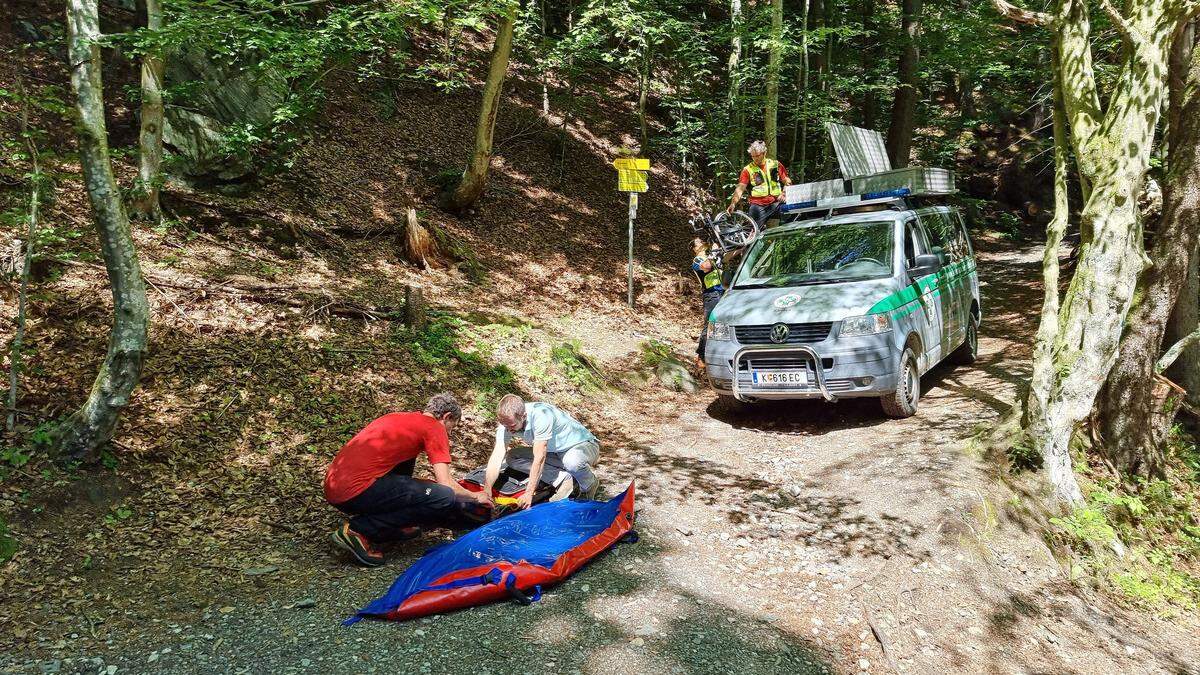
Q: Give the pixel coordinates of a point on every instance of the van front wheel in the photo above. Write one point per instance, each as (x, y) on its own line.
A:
(903, 401)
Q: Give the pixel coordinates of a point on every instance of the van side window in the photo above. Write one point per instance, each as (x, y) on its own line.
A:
(942, 235)
(968, 250)
(914, 243)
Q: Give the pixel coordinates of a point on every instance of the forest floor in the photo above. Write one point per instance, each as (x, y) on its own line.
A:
(792, 537)
(797, 537)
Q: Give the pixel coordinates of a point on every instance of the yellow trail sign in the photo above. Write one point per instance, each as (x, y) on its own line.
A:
(631, 173)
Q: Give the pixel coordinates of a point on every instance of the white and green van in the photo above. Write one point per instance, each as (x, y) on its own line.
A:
(859, 301)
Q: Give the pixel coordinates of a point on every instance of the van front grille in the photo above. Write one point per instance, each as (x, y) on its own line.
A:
(798, 333)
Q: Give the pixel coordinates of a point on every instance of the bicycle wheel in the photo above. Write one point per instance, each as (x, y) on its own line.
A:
(735, 230)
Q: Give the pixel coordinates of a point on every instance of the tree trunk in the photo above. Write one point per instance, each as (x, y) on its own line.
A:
(474, 179)
(1114, 159)
(644, 93)
(1133, 420)
(1185, 317)
(16, 357)
(800, 127)
(90, 427)
(904, 109)
(738, 137)
(150, 150)
(771, 109)
(866, 56)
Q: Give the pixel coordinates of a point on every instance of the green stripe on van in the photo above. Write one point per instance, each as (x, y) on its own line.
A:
(936, 283)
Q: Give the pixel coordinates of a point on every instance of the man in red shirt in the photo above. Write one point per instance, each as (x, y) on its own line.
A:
(371, 479)
(766, 179)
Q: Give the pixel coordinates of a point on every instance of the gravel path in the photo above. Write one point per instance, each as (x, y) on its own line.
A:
(788, 538)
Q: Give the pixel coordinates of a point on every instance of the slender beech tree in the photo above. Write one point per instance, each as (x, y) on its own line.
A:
(737, 139)
(866, 57)
(1133, 422)
(92, 426)
(1112, 147)
(904, 108)
(150, 150)
(16, 357)
(775, 55)
(474, 178)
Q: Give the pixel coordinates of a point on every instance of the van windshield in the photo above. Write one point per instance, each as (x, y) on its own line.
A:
(819, 254)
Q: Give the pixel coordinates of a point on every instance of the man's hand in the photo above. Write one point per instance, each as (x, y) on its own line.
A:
(729, 209)
(484, 498)
(525, 500)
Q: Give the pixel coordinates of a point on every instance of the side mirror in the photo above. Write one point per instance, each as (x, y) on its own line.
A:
(924, 265)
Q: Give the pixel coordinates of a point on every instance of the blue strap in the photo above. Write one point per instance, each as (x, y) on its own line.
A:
(510, 583)
(493, 576)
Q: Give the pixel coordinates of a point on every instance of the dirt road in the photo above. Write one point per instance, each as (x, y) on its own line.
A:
(797, 537)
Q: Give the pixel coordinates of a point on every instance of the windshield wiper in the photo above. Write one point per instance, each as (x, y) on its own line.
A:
(739, 287)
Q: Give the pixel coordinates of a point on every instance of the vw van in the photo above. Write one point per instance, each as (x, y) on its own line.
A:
(856, 302)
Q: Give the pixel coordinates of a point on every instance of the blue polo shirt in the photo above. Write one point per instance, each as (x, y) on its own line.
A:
(546, 422)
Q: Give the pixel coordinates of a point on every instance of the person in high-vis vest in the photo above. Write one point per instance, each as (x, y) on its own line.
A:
(766, 179)
(707, 267)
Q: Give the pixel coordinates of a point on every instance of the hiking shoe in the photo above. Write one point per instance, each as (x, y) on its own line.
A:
(359, 546)
(588, 494)
(565, 490)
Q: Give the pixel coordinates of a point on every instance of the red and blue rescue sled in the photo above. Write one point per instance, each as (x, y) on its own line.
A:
(508, 558)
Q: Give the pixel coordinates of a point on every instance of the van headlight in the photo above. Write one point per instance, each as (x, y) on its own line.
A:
(871, 324)
(720, 331)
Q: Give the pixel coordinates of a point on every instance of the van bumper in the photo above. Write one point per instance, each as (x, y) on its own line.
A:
(850, 368)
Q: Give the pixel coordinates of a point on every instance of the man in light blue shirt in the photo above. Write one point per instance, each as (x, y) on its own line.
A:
(550, 438)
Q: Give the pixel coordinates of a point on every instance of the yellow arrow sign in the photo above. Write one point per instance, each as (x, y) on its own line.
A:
(631, 173)
(631, 164)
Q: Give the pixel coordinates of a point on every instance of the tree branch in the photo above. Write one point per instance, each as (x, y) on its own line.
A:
(1020, 14)
(1132, 37)
(1176, 349)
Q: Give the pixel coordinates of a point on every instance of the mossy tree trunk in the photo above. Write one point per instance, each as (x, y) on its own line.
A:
(92, 426)
(145, 204)
(1112, 148)
(1132, 419)
(474, 179)
(737, 139)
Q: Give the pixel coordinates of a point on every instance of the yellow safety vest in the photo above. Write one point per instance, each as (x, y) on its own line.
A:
(764, 181)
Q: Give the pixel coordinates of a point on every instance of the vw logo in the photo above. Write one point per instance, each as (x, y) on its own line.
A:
(779, 333)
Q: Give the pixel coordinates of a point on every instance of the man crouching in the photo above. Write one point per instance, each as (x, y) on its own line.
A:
(371, 479)
(551, 437)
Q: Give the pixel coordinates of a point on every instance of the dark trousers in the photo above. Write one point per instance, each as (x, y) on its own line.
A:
(395, 501)
(710, 301)
(761, 214)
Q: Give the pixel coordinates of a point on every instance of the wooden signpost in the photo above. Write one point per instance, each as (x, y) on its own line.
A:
(631, 178)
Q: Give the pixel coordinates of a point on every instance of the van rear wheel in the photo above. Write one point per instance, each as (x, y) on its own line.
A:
(903, 402)
(967, 352)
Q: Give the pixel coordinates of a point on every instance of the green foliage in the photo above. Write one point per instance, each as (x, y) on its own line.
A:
(8, 545)
(578, 368)
(654, 352)
(437, 348)
(15, 457)
(1159, 521)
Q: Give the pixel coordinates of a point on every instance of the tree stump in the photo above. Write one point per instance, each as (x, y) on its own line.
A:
(416, 314)
(420, 247)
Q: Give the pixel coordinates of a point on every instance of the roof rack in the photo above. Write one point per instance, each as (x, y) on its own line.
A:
(867, 176)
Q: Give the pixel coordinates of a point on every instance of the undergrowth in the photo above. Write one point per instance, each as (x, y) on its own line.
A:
(437, 348)
(577, 367)
(1158, 520)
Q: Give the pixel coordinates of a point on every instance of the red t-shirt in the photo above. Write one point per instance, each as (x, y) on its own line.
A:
(378, 448)
(744, 179)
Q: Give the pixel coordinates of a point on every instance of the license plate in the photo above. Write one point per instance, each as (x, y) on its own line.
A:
(779, 378)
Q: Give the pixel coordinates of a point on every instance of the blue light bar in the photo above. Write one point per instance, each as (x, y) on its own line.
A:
(898, 192)
(799, 205)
